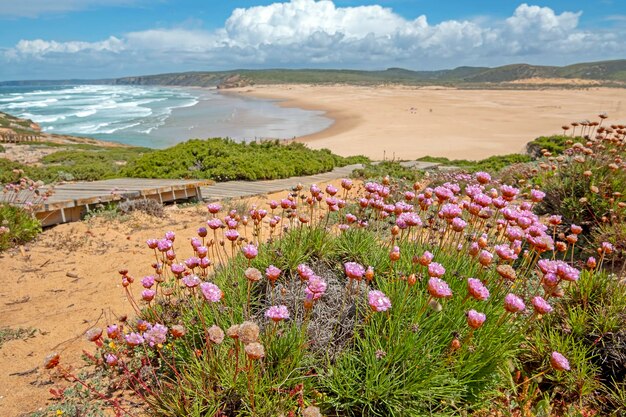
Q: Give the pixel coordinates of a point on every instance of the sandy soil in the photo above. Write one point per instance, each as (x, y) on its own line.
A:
(66, 282)
(410, 122)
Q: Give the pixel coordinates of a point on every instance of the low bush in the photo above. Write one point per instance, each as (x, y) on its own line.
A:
(555, 144)
(492, 164)
(225, 160)
(387, 168)
(17, 226)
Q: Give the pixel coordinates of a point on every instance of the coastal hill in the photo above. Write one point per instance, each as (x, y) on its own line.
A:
(603, 72)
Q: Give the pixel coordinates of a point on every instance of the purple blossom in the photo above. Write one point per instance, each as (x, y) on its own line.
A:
(110, 359)
(305, 272)
(436, 270)
(231, 234)
(354, 270)
(477, 290)
(148, 295)
(134, 339)
(475, 319)
(541, 306)
(513, 304)
(505, 252)
(177, 269)
(171, 236)
(156, 335)
(272, 273)
(192, 262)
(537, 196)
(250, 251)
(214, 208)
(483, 177)
(316, 287)
(191, 281)
(438, 288)
(559, 362)
(211, 292)
(277, 313)
(147, 281)
(378, 301)
(214, 224)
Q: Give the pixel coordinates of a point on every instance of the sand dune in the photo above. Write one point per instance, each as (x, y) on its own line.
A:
(412, 122)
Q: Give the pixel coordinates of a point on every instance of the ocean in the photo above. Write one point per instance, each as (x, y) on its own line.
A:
(156, 117)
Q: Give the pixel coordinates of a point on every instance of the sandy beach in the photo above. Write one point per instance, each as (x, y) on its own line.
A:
(408, 122)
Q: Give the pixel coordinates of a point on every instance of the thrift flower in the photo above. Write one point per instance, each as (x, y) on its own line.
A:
(378, 301)
(255, 351)
(559, 362)
(354, 270)
(277, 313)
(248, 332)
(541, 306)
(250, 251)
(513, 304)
(156, 335)
(191, 281)
(438, 288)
(436, 270)
(272, 273)
(134, 339)
(211, 292)
(305, 272)
(477, 290)
(216, 334)
(475, 319)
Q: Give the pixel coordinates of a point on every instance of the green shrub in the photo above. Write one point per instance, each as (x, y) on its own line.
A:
(555, 144)
(387, 168)
(17, 226)
(225, 160)
(2, 149)
(492, 164)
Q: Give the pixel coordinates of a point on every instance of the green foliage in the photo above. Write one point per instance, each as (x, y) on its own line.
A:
(7, 334)
(225, 160)
(2, 149)
(555, 144)
(492, 164)
(22, 226)
(387, 168)
(7, 168)
(592, 311)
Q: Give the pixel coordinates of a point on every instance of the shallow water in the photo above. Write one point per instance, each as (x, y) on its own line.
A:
(156, 116)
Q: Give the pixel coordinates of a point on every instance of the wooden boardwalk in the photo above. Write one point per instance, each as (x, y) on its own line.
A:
(71, 201)
(238, 189)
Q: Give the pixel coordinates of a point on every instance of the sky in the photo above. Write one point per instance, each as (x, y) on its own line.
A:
(90, 39)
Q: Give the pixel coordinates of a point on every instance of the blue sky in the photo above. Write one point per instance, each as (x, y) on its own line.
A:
(54, 39)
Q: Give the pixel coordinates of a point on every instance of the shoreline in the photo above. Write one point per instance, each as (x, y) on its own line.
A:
(411, 122)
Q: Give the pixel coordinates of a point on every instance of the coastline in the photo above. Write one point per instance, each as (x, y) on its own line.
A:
(411, 122)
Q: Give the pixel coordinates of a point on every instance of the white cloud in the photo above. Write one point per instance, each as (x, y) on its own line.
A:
(34, 8)
(318, 33)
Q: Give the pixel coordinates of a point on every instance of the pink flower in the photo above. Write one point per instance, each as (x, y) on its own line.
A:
(316, 287)
(250, 251)
(554, 220)
(202, 232)
(214, 208)
(576, 229)
(606, 248)
(164, 245)
(177, 269)
(354, 270)
(346, 184)
(277, 313)
(559, 362)
(152, 243)
(537, 196)
(458, 224)
(541, 306)
(110, 359)
(330, 189)
(505, 252)
(148, 295)
(436, 270)
(211, 292)
(214, 224)
(438, 288)
(477, 290)
(475, 319)
(155, 335)
(147, 281)
(591, 262)
(171, 236)
(513, 304)
(485, 258)
(426, 258)
(192, 262)
(305, 272)
(231, 234)
(134, 339)
(113, 331)
(378, 301)
(273, 204)
(483, 177)
(191, 281)
(272, 273)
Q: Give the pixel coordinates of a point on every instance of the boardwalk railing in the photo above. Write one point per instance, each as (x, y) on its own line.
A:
(9, 138)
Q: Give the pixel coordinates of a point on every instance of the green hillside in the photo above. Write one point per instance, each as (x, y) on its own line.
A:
(608, 71)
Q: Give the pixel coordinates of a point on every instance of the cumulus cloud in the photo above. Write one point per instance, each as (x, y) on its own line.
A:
(318, 33)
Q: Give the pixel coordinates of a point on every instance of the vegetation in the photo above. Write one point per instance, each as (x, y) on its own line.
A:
(606, 71)
(387, 168)
(491, 164)
(17, 226)
(225, 160)
(16, 125)
(8, 333)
